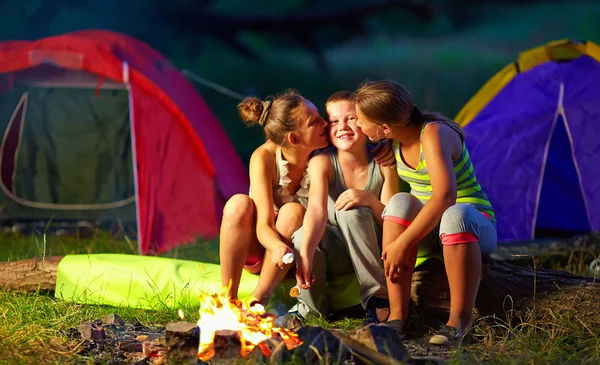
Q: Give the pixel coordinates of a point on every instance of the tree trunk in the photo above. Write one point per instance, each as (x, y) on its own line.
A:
(30, 275)
(507, 291)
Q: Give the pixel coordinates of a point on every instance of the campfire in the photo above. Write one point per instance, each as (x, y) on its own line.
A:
(222, 316)
(231, 330)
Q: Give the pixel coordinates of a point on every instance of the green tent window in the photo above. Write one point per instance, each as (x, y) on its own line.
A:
(66, 142)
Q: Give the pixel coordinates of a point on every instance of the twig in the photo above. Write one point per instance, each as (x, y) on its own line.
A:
(585, 326)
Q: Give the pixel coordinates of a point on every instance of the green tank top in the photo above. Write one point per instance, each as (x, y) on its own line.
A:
(468, 190)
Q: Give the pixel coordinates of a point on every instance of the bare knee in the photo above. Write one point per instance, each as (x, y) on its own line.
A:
(239, 211)
(289, 219)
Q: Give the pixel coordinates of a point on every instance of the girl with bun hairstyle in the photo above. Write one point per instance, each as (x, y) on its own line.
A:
(257, 228)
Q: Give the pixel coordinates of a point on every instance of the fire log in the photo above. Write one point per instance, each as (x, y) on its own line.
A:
(182, 342)
(507, 290)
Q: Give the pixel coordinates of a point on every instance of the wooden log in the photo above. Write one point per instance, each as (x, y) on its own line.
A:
(182, 339)
(30, 275)
(507, 290)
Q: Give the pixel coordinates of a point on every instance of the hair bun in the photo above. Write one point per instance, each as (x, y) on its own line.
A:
(251, 110)
(266, 105)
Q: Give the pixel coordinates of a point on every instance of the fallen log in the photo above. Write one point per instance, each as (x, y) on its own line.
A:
(30, 275)
(506, 291)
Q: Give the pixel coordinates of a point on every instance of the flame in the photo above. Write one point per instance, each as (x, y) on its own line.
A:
(218, 312)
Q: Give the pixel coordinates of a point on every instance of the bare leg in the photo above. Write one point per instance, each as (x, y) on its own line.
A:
(289, 219)
(399, 291)
(237, 240)
(463, 268)
(401, 209)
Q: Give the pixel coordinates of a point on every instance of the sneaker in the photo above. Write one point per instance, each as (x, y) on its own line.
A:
(398, 326)
(376, 315)
(446, 336)
(291, 320)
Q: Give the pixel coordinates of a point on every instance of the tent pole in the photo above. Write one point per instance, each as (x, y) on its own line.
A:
(134, 156)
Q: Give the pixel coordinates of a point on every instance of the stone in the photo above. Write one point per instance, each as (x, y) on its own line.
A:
(91, 331)
(320, 345)
(130, 346)
(112, 319)
(150, 337)
(384, 340)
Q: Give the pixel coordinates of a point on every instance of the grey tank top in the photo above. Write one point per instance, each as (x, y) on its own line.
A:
(337, 186)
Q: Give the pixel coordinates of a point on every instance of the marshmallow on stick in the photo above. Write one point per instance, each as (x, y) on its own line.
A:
(288, 258)
(295, 291)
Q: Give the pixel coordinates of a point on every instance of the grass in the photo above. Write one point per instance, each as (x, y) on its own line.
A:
(35, 326)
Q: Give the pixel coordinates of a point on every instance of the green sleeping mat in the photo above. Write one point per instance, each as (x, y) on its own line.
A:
(152, 282)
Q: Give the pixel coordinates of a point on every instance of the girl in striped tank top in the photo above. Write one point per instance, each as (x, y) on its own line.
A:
(446, 204)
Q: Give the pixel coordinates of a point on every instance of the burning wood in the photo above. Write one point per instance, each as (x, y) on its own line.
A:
(223, 317)
(182, 342)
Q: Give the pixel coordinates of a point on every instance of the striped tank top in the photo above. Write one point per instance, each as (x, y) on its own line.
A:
(468, 190)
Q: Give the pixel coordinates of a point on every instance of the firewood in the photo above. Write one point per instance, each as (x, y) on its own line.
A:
(182, 340)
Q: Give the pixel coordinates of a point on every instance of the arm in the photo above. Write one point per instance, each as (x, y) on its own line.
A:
(360, 198)
(384, 155)
(315, 219)
(261, 182)
(391, 186)
(438, 144)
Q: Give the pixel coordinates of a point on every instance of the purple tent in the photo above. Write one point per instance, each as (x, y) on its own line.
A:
(535, 145)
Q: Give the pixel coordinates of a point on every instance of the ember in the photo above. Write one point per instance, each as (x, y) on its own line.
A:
(219, 313)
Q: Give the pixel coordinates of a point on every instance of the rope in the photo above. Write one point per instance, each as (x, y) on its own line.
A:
(213, 85)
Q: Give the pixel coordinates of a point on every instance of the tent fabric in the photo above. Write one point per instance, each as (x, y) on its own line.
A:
(48, 171)
(66, 154)
(514, 148)
(560, 189)
(183, 158)
(559, 50)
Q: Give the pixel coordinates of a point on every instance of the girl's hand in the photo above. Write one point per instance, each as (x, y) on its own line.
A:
(354, 198)
(395, 258)
(384, 155)
(304, 277)
(278, 253)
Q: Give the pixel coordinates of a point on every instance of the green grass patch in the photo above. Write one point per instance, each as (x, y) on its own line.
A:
(35, 326)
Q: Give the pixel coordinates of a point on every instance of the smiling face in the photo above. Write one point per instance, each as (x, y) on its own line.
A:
(312, 129)
(344, 133)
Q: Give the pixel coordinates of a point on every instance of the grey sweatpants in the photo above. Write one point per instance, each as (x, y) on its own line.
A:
(351, 243)
(457, 220)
